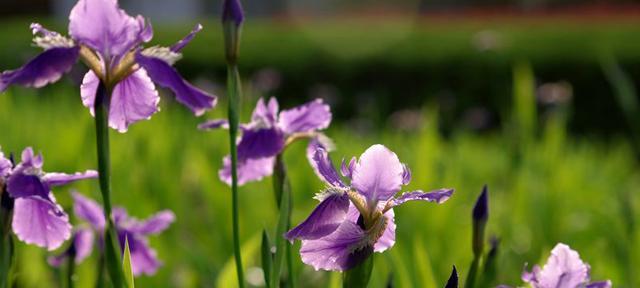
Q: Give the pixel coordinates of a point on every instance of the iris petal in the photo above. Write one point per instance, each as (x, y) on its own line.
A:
(378, 175)
(314, 115)
(40, 222)
(48, 67)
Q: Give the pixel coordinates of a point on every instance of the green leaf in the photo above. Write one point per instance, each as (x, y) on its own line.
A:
(267, 257)
(227, 276)
(281, 187)
(126, 264)
(423, 264)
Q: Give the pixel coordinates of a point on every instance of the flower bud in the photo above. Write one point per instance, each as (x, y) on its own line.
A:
(480, 217)
(232, 18)
(453, 279)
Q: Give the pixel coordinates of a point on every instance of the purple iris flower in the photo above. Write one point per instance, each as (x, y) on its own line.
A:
(564, 269)
(37, 217)
(110, 42)
(269, 132)
(144, 259)
(352, 221)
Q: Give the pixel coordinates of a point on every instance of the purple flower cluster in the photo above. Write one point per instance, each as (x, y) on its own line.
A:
(354, 220)
(268, 133)
(110, 42)
(143, 259)
(37, 217)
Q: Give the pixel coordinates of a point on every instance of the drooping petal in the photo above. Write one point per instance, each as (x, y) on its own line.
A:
(260, 143)
(378, 173)
(264, 115)
(133, 99)
(166, 76)
(388, 238)
(185, 41)
(214, 124)
(600, 284)
(323, 167)
(88, 210)
(437, 196)
(40, 222)
(48, 67)
(144, 260)
(155, 224)
(81, 244)
(248, 170)
(57, 179)
(338, 251)
(21, 185)
(324, 219)
(314, 115)
(103, 26)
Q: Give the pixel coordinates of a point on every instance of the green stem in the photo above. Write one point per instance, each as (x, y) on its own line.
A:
(112, 251)
(282, 190)
(358, 277)
(473, 271)
(71, 267)
(100, 272)
(7, 248)
(233, 92)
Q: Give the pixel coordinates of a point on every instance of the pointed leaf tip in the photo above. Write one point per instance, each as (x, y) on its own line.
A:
(453, 279)
(126, 264)
(481, 208)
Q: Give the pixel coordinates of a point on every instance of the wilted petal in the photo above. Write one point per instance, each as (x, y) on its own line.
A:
(260, 143)
(378, 173)
(57, 179)
(155, 224)
(248, 170)
(214, 124)
(40, 222)
(45, 68)
(185, 41)
(103, 26)
(88, 210)
(315, 115)
(166, 76)
(324, 220)
(133, 99)
(438, 196)
(338, 251)
(323, 167)
(601, 284)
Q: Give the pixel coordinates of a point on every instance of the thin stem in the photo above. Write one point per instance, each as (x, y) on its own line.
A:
(112, 251)
(473, 271)
(71, 267)
(282, 191)
(233, 92)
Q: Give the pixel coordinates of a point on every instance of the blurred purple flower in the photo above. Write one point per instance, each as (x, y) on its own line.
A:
(109, 41)
(37, 217)
(564, 269)
(352, 221)
(269, 132)
(232, 11)
(143, 258)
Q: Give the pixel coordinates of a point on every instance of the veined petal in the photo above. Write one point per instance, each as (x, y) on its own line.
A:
(103, 26)
(324, 219)
(339, 251)
(166, 76)
(40, 222)
(322, 165)
(88, 210)
(260, 143)
(48, 67)
(378, 175)
(438, 196)
(214, 124)
(248, 170)
(564, 268)
(133, 99)
(57, 179)
(314, 115)
(154, 224)
(185, 41)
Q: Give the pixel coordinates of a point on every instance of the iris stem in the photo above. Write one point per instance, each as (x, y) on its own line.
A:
(359, 276)
(282, 190)
(233, 92)
(7, 248)
(112, 253)
(71, 267)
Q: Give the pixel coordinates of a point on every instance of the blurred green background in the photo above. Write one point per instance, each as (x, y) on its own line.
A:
(539, 106)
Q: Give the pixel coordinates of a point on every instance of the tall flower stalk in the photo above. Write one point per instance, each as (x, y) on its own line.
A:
(232, 17)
